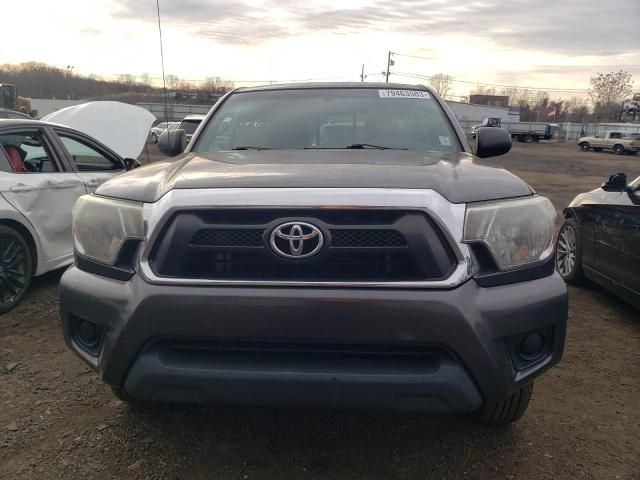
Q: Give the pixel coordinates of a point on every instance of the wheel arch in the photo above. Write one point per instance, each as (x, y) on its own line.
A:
(28, 237)
(570, 213)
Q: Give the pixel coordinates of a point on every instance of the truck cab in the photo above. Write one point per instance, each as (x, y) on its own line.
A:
(486, 122)
(8, 96)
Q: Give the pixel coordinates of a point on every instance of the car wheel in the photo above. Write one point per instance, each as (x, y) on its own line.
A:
(618, 149)
(154, 138)
(584, 146)
(506, 410)
(597, 149)
(528, 139)
(16, 268)
(569, 253)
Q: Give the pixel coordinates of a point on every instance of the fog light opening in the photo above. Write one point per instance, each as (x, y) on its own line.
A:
(88, 334)
(532, 346)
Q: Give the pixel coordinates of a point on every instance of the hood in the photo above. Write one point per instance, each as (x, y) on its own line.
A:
(453, 175)
(122, 127)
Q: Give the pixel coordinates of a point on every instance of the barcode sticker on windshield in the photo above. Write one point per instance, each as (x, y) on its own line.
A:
(403, 94)
(444, 141)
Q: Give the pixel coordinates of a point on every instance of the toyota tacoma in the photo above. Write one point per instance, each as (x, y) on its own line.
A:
(320, 245)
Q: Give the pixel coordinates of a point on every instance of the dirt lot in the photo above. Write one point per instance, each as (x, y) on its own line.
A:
(58, 421)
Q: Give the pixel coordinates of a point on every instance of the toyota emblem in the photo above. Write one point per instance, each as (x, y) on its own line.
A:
(296, 240)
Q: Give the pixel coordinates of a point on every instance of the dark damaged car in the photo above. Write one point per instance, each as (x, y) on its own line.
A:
(320, 245)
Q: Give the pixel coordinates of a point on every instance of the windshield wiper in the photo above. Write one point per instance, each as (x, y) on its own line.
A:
(356, 146)
(361, 146)
(250, 148)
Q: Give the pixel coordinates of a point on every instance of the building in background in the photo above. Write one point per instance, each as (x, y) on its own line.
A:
(490, 100)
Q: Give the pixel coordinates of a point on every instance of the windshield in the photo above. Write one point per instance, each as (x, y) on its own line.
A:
(329, 118)
(190, 126)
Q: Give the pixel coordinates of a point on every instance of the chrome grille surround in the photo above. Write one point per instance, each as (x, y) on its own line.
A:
(448, 216)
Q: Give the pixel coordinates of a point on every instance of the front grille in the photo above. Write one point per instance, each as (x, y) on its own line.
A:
(299, 354)
(359, 246)
(228, 238)
(367, 239)
(339, 238)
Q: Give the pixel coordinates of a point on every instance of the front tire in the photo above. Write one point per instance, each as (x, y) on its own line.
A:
(508, 409)
(618, 149)
(584, 146)
(16, 268)
(569, 253)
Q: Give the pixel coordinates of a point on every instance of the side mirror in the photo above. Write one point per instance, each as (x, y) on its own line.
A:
(634, 195)
(131, 163)
(172, 142)
(616, 183)
(492, 141)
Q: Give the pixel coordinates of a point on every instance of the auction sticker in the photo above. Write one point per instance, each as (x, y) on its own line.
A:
(404, 94)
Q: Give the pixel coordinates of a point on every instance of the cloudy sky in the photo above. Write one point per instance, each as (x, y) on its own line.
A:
(513, 42)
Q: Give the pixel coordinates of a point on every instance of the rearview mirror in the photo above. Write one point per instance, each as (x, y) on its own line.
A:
(492, 141)
(131, 163)
(172, 142)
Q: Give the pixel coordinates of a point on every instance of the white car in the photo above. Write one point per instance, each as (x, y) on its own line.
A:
(157, 130)
(44, 169)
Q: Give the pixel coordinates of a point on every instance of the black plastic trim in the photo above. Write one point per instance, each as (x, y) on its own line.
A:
(121, 270)
(116, 273)
(491, 276)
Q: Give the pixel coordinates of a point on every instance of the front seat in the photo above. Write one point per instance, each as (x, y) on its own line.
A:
(15, 159)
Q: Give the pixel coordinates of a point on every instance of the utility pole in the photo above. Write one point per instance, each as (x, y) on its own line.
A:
(389, 64)
(362, 74)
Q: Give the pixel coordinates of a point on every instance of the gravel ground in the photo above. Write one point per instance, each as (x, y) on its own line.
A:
(58, 421)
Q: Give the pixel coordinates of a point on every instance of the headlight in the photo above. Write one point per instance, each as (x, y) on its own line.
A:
(516, 232)
(101, 226)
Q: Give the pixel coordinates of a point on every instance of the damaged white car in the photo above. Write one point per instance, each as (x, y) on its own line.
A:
(44, 168)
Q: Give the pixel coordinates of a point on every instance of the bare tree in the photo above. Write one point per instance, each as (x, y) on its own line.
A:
(441, 83)
(145, 79)
(172, 81)
(608, 91)
(216, 85)
(482, 90)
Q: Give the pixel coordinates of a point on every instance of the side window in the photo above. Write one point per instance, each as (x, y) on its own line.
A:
(28, 152)
(87, 158)
(600, 135)
(615, 135)
(189, 126)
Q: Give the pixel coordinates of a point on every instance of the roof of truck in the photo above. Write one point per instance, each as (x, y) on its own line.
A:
(318, 85)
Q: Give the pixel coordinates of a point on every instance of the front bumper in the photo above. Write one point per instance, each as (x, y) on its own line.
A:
(162, 342)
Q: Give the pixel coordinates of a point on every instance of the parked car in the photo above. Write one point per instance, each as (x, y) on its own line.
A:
(619, 142)
(600, 238)
(189, 124)
(157, 130)
(320, 245)
(6, 113)
(44, 169)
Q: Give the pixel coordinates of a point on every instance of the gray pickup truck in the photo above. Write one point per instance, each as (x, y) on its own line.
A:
(320, 245)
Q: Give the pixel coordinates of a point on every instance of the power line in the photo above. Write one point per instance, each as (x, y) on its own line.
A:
(587, 66)
(522, 87)
(164, 84)
(411, 56)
